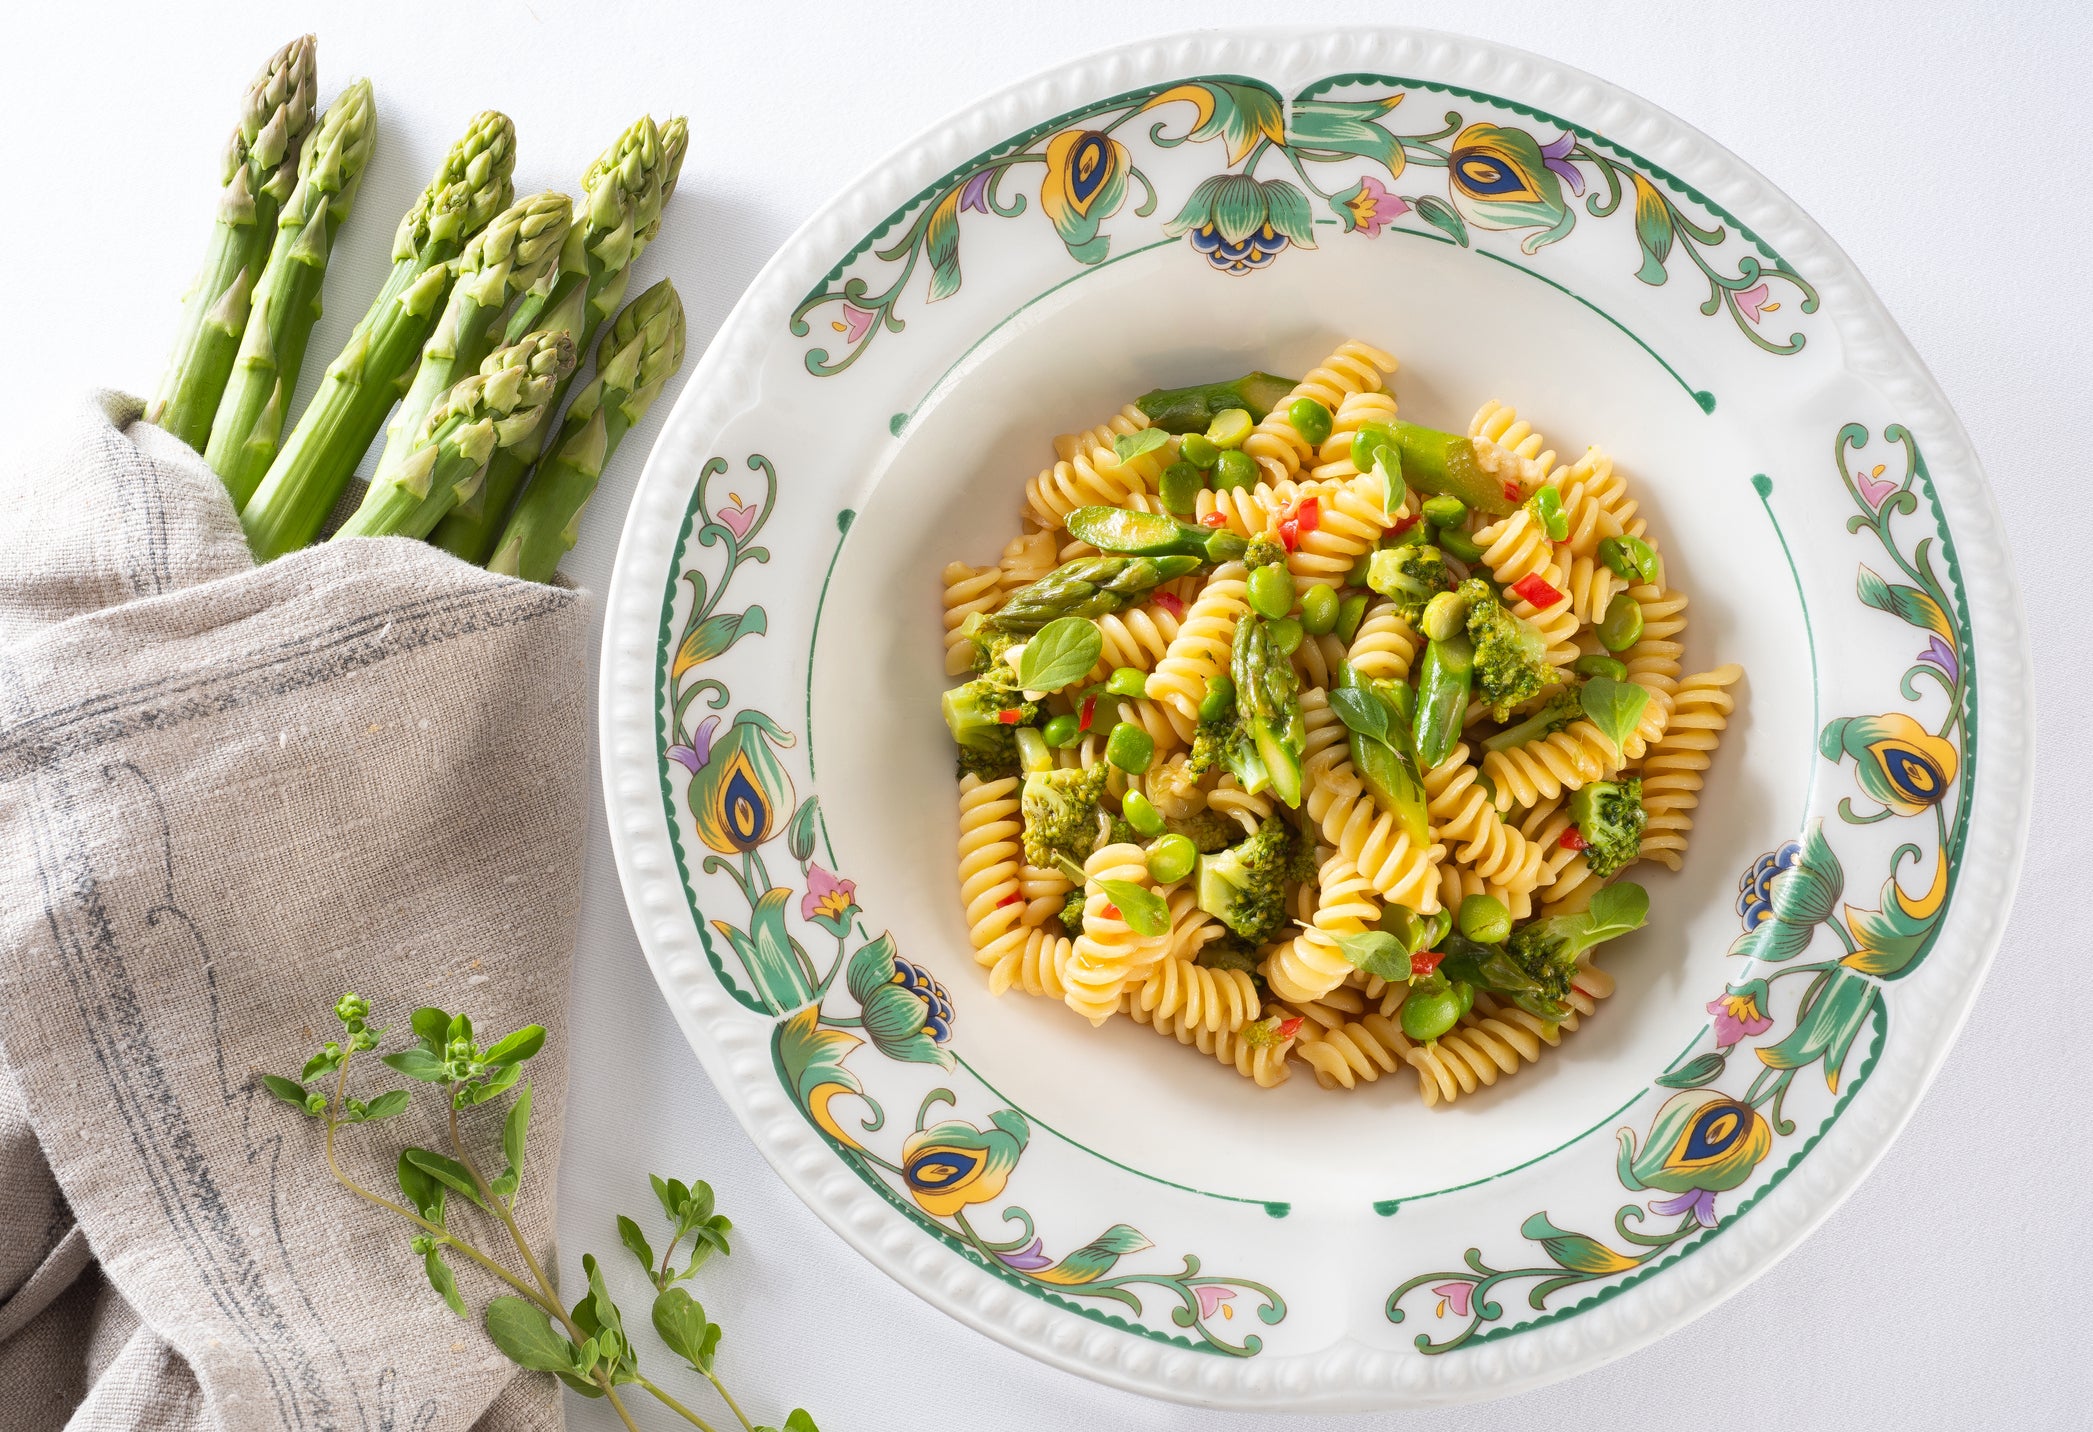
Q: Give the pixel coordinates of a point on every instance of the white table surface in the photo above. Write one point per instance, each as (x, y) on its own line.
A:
(1948, 153)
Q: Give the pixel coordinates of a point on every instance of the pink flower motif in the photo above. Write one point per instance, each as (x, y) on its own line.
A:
(1752, 302)
(1736, 1017)
(1457, 1296)
(739, 519)
(829, 896)
(1367, 207)
(1874, 487)
(1211, 1297)
(857, 322)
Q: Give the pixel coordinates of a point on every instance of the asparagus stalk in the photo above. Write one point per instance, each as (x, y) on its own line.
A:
(502, 406)
(623, 192)
(261, 163)
(641, 352)
(516, 253)
(1086, 587)
(251, 415)
(368, 375)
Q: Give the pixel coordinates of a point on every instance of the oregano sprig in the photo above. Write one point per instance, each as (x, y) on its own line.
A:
(587, 1346)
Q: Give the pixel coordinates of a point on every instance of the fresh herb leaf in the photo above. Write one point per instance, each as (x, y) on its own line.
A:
(526, 1337)
(1063, 652)
(514, 1128)
(417, 1064)
(1361, 711)
(1377, 953)
(681, 1321)
(1143, 910)
(385, 1106)
(1619, 908)
(288, 1090)
(492, 1086)
(1131, 445)
(635, 1239)
(706, 1238)
(443, 1280)
(431, 1026)
(424, 1192)
(325, 1062)
(1613, 706)
(669, 1193)
(445, 1171)
(517, 1047)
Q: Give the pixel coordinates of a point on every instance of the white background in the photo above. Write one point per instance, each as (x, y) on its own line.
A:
(1948, 151)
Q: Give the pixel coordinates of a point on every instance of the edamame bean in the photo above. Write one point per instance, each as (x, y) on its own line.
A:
(1219, 700)
(1457, 543)
(1234, 469)
(1445, 616)
(1127, 681)
(1632, 559)
(1430, 1011)
(1032, 752)
(1229, 427)
(1171, 859)
(1310, 419)
(1408, 927)
(1547, 505)
(1443, 511)
(1180, 488)
(1286, 634)
(1272, 591)
(1606, 666)
(1141, 814)
(1319, 609)
(1621, 627)
(1196, 450)
(1350, 612)
(1130, 748)
(1485, 919)
(1062, 730)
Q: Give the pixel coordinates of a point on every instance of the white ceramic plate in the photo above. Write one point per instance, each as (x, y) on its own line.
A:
(1509, 228)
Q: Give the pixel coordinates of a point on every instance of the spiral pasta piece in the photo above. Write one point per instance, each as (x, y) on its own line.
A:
(989, 852)
(1318, 658)
(1092, 477)
(1671, 772)
(1355, 367)
(1458, 882)
(1247, 810)
(1136, 637)
(1541, 770)
(967, 590)
(1124, 423)
(1500, 424)
(1461, 811)
(1254, 1051)
(1385, 645)
(1654, 661)
(1200, 649)
(1472, 1055)
(1517, 547)
(1026, 558)
(1357, 1052)
(1334, 459)
(1029, 958)
(1173, 789)
(1556, 624)
(1370, 839)
(1189, 995)
(1595, 502)
(1110, 954)
(1564, 871)
(1349, 523)
(1044, 891)
(1312, 963)
(1589, 583)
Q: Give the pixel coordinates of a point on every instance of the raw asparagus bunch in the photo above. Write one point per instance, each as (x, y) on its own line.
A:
(517, 253)
(373, 369)
(256, 405)
(261, 162)
(642, 351)
(501, 406)
(623, 193)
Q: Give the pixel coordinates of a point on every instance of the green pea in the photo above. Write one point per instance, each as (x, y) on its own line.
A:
(1032, 752)
(1621, 627)
(1180, 488)
(1466, 992)
(1310, 419)
(1318, 609)
(1219, 700)
(1171, 859)
(1062, 730)
(1445, 616)
(1485, 919)
(1456, 543)
(1234, 469)
(1286, 634)
(1547, 505)
(1443, 511)
(1350, 612)
(1606, 666)
(1127, 681)
(1141, 814)
(1439, 923)
(1229, 427)
(1272, 591)
(1130, 748)
(1430, 1012)
(1372, 446)
(1408, 927)
(1197, 451)
(1632, 559)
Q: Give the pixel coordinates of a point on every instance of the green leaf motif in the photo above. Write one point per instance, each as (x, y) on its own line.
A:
(443, 1280)
(812, 1055)
(713, 636)
(680, 1320)
(941, 247)
(1906, 604)
(1653, 230)
(1287, 211)
(446, 1171)
(1575, 1251)
(526, 1337)
(1063, 652)
(1443, 217)
(1346, 127)
(288, 1090)
(1699, 1070)
(1144, 911)
(417, 1064)
(1095, 1259)
(1827, 1028)
(799, 833)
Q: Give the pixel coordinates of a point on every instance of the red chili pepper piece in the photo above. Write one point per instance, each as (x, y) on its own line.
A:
(1573, 839)
(1290, 534)
(1109, 911)
(1010, 716)
(1534, 588)
(1511, 490)
(1170, 602)
(1013, 898)
(1214, 519)
(1089, 710)
(1424, 962)
(1309, 515)
(1405, 522)
(1288, 1028)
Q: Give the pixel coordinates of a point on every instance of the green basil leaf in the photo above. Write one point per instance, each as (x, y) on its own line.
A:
(417, 1064)
(1377, 953)
(1619, 908)
(526, 1337)
(445, 1171)
(1131, 445)
(1064, 651)
(443, 1280)
(1613, 706)
(1361, 711)
(288, 1090)
(1143, 910)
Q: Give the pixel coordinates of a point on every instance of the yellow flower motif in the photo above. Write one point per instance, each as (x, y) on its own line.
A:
(1897, 761)
(951, 1165)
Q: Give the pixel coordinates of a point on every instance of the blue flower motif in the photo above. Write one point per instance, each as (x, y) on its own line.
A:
(937, 1005)
(1755, 890)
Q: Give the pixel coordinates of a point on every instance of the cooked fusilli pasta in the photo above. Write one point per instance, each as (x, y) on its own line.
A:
(1671, 772)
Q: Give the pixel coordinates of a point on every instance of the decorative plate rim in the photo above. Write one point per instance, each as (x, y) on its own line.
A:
(1350, 1373)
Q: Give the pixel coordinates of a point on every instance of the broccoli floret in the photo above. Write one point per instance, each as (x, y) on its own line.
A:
(1122, 832)
(1511, 665)
(1210, 747)
(1561, 709)
(1409, 576)
(991, 760)
(1546, 950)
(1060, 811)
(1264, 550)
(1244, 887)
(975, 715)
(1228, 953)
(1072, 912)
(1610, 817)
(1208, 830)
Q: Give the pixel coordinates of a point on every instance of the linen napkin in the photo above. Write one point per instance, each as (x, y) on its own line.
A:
(228, 794)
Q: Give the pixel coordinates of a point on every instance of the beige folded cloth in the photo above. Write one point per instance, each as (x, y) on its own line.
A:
(227, 795)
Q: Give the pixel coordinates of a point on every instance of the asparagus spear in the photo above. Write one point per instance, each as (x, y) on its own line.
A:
(1086, 587)
(499, 407)
(368, 375)
(261, 163)
(517, 252)
(256, 404)
(642, 351)
(623, 192)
